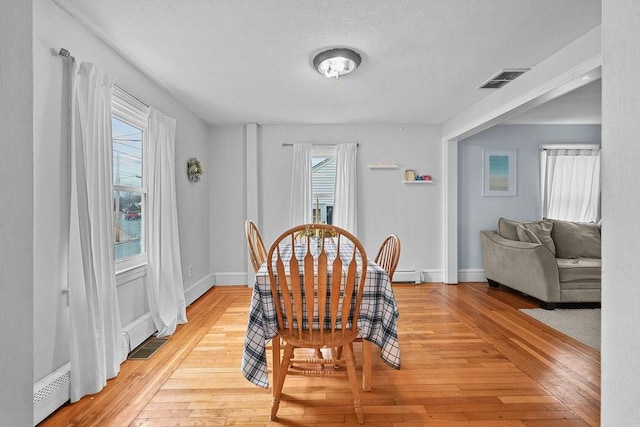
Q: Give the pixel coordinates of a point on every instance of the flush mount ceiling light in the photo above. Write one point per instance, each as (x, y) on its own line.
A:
(336, 62)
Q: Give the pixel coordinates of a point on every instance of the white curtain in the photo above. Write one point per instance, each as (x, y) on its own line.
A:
(97, 347)
(571, 184)
(301, 195)
(164, 279)
(345, 210)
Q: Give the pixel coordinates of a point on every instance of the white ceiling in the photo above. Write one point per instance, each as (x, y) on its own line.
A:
(582, 106)
(246, 61)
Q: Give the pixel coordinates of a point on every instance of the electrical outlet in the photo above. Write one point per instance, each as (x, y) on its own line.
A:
(190, 270)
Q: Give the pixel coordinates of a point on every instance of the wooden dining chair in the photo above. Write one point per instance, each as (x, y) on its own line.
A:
(309, 288)
(388, 255)
(387, 258)
(257, 250)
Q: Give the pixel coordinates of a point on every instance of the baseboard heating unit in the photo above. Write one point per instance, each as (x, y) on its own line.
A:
(51, 392)
(406, 276)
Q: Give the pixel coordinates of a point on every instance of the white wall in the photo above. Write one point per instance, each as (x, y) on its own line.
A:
(620, 208)
(54, 29)
(385, 204)
(16, 214)
(481, 213)
(227, 187)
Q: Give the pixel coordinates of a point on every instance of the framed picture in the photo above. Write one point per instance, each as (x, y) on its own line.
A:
(409, 175)
(499, 173)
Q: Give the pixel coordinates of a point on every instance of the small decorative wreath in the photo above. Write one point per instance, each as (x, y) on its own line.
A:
(194, 170)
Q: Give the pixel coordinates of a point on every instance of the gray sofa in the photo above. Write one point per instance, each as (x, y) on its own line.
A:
(551, 260)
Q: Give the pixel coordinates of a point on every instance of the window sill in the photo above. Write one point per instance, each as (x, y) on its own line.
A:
(133, 273)
(131, 269)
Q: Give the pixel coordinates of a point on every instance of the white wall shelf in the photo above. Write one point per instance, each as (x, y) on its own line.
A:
(384, 166)
(418, 181)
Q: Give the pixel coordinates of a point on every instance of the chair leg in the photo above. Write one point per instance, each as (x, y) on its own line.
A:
(275, 356)
(366, 365)
(353, 381)
(319, 355)
(277, 387)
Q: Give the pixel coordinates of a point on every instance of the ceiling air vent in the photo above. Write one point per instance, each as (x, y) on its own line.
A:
(502, 78)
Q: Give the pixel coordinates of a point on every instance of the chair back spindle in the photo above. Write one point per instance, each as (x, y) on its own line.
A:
(388, 255)
(257, 249)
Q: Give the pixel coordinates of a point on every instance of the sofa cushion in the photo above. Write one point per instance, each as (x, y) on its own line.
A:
(537, 232)
(576, 239)
(579, 270)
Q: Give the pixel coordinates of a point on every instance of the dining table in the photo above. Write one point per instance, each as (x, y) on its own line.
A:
(377, 321)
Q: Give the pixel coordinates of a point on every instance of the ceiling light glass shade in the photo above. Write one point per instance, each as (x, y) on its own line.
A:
(336, 62)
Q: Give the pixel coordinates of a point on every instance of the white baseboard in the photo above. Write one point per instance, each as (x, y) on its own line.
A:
(198, 289)
(51, 392)
(472, 275)
(431, 276)
(231, 278)
(136, 332)
(406, 276)
(467, 275)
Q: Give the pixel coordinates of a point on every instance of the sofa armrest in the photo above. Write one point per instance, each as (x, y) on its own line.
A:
(527, 267)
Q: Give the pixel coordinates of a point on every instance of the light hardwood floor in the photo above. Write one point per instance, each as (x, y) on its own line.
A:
(469, 357)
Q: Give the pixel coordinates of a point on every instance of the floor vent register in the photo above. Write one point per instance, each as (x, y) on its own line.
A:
(147, 348)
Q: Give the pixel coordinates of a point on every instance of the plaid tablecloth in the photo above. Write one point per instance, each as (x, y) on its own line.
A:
(376, 322)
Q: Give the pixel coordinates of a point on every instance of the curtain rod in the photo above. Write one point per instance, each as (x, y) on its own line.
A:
(285, 144)
(570, 147)
(67, 55)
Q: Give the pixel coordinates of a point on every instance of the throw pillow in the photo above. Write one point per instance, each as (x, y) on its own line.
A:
(576, 239)
(526, 235)
(542, 232)
(507, 228)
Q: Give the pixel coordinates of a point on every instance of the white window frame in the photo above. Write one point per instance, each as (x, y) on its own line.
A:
(543, 170)
(328, 150)
(127, 108)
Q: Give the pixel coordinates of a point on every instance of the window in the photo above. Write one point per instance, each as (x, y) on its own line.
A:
(323, 183)
(129, 132)
(571, 183)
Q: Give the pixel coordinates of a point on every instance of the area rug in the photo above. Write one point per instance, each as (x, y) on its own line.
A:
(583, 324)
